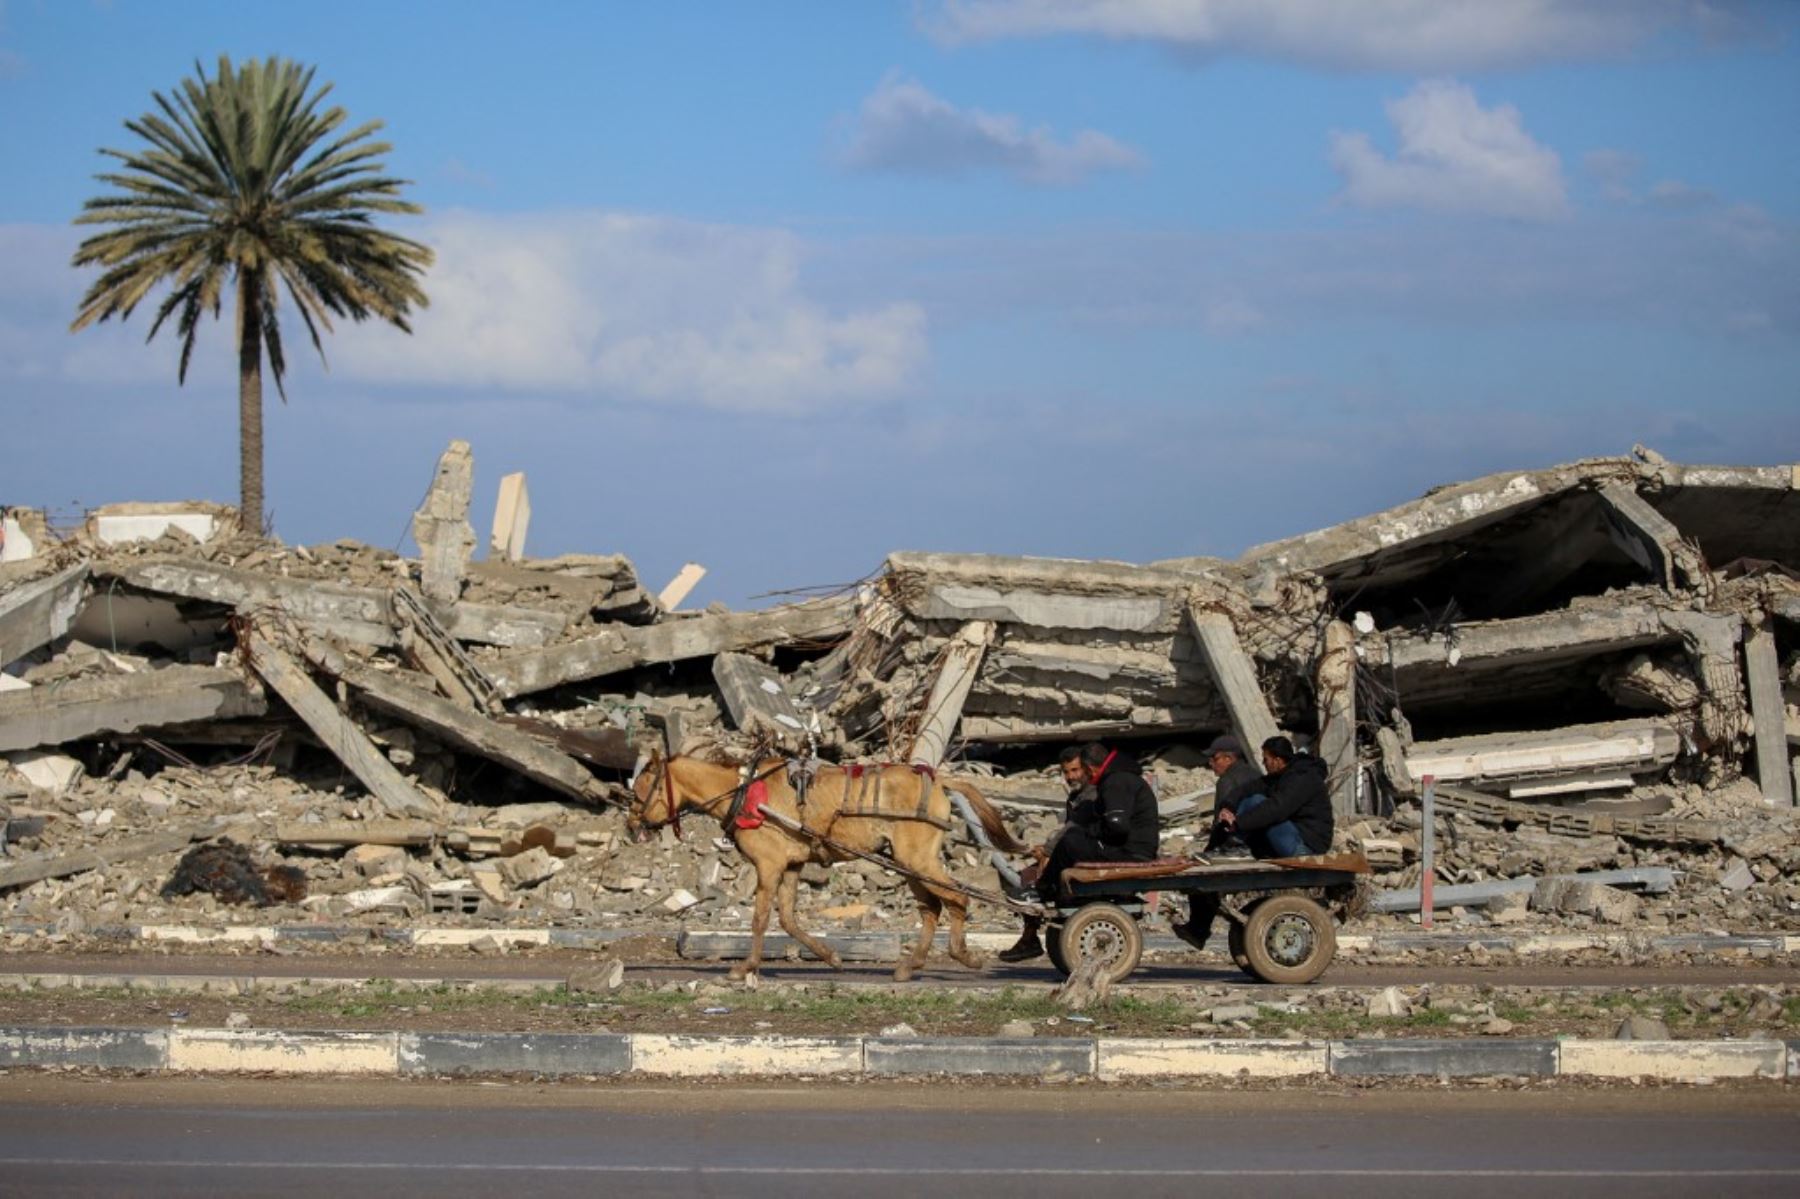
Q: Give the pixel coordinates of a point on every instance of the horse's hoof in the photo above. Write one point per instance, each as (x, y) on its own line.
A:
(738, 972)
(972, 961)
(903, 974)
(834, 961)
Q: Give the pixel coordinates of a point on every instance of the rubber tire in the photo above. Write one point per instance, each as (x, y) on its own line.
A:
(1234, 941)
(1053, 947)
(1098, 922)
(1268, 919)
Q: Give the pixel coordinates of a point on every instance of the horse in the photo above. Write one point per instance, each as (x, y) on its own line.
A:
(666, 787)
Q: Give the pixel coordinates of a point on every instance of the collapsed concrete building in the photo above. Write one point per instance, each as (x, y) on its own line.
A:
(1591, 659)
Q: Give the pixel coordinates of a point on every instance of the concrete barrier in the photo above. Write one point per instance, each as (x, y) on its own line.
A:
(514, 1053)
(1018, 1056)
(704, 1057)
(1142, 1057)
(1449, 1057)
(217, 1050)
(1673, 1061)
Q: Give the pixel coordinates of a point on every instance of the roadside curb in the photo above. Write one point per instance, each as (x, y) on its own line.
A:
(1049, 1059)
(885, 946)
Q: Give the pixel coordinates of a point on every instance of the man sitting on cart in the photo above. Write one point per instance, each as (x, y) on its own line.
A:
(1078, 809)
(1292, 817)
(1238, 780)
(1120, 827)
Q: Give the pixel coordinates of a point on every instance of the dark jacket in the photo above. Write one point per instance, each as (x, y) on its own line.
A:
(1300, 794)
(1241, 780)
(1126, 809)
(1237, 783)
(1079, 810)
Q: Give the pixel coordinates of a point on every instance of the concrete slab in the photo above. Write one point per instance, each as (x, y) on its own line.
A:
(1447, 1058)
(514, 1053)
(1150, 1057)
(102, 1048)
(694, 1057)
(1674, 1061)
(214, 1051)
(1027, 1056)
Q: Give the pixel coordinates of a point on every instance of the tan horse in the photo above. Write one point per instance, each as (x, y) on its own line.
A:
(778, 854)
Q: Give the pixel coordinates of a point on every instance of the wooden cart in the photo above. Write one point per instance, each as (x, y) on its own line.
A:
(1282, 913)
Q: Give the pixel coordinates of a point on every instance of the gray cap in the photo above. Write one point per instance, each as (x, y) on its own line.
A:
(1225, 745)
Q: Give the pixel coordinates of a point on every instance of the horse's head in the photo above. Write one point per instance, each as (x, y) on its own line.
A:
(652, 802)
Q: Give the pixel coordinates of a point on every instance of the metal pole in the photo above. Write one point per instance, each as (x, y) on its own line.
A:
(1427, 869)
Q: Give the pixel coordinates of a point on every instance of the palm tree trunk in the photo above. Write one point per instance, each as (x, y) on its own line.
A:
(250, 413)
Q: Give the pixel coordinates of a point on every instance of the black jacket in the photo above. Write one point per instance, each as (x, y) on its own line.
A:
(1126, 809)
(1300, 794)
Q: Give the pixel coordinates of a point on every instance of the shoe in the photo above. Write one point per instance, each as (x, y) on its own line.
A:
(1233, 849)
(1193, 936)
(1024, 949)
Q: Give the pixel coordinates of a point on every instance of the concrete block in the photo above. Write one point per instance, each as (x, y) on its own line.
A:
(512, 518)
(1674, 1061)
(1449, 1057)
(52, 772)
(1030, 1056)
(213, 1050)
(1150, 1057)
(685, 1056)
(468, 936)
(514, 1053)
(104, 1048)
(852, 947)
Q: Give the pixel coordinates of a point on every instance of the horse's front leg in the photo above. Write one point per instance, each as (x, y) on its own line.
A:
(766, 880)
(790, 883)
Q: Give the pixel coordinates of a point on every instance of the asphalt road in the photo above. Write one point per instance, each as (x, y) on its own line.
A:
(83, 1136)
(555, 965)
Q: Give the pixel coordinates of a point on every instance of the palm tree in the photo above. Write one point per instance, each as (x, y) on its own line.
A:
(246, 182)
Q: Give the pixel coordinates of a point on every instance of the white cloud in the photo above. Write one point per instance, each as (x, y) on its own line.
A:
(1382, 35)
(1616, 171)
(636, 307)
(621, 307)
(1674, 193)
(1454, 156)
(906, 129)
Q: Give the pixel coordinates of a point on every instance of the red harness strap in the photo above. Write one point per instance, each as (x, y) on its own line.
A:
(751, 815)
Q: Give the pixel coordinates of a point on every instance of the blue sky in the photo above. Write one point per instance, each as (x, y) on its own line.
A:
(781, 287)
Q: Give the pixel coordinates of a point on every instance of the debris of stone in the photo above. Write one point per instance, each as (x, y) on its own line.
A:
(1599, 664)
(600, 979)
(1389, 1003)
(1638, 1027)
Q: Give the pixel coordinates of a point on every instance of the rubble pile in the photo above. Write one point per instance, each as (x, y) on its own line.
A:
(1596, 665)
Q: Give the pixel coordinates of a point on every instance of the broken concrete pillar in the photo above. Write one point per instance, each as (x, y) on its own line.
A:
(468, 731)
(393, 793)
(1650, 538)
(943, 708)
(755, 696)
(441, 525)
(1768, 712)
(1235, 675)
(512, 519)
(1335, 686)
(122, 703)
(685, 580)
(36, 613)
(24, 533)
(431, 648)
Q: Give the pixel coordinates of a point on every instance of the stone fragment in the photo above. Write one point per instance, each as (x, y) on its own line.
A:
(1509, 909)
(1737, 876)
(1018, 1028)
(679, 900)
(529, 868)
(1642, 1028)
(602, 979)
(1389, 1003)
(487, 879)
(375, 861)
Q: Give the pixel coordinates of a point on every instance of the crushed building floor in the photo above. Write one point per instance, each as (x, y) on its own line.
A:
(1598, 665)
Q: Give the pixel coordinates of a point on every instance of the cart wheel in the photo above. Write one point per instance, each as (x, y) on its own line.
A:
(1289, 939)
(1053, 945)
(1234, 941)
(1103, 932)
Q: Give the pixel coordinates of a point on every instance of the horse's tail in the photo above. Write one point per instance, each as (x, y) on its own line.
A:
(991, 823)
